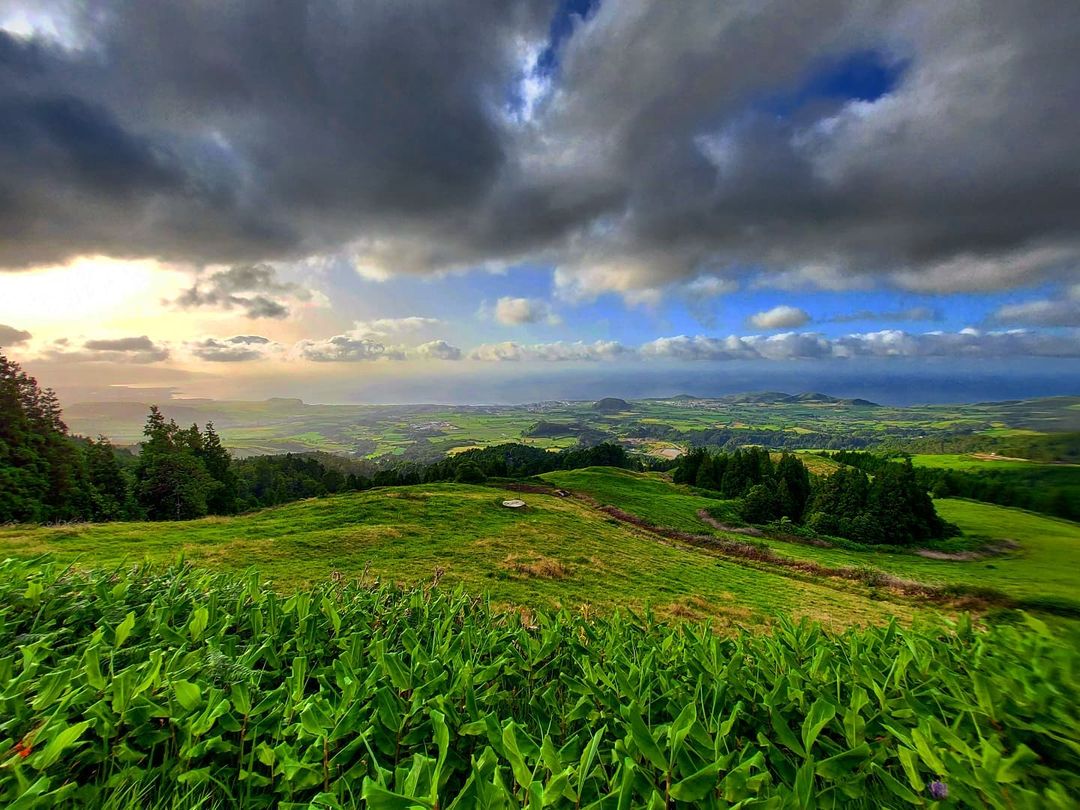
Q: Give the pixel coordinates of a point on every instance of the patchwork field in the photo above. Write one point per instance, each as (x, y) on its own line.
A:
(654, 426)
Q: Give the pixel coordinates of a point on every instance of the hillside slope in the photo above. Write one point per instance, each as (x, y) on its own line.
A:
(556, 552)
(1044, 563)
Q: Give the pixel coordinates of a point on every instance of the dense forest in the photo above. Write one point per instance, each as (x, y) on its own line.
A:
(891, 508)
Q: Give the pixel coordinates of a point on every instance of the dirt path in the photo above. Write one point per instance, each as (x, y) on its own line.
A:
(709, 520)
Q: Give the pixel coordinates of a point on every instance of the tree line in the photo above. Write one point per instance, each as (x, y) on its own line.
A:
(179, 473)
(1050, 489)
(892, 508)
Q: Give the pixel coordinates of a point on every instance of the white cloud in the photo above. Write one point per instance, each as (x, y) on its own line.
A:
(558, 351)
(381, 327)
(10, 336)
(140, 350)
(970, 272)
(360, 346)
(347, 348)
(437, 350)
(511, 311)
(1045, 312)
(780, 317)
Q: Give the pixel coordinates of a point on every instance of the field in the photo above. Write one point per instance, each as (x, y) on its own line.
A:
(1045, 562)
(654, 426)
(183, 690)
(556, 552)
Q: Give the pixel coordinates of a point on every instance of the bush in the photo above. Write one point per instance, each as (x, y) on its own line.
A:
(470, 474)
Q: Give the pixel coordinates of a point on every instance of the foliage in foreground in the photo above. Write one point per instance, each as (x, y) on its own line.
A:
(199, 686)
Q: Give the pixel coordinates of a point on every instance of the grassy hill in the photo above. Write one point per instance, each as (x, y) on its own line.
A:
(1045, 562)
(567, 552)
(556, 552)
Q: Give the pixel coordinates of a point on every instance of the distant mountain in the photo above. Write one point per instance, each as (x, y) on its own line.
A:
(757, 398)
(782, 398)
(611, 405)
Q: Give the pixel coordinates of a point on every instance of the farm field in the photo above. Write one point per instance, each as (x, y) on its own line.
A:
(653, 426)
(558, 552)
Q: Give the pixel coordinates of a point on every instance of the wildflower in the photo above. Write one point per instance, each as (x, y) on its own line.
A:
(939, 790)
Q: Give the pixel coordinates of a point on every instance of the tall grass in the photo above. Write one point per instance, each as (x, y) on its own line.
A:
(173, 688)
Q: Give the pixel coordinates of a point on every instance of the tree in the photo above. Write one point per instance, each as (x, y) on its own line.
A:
(470, 474)
(221, 500)
(760, 504)
(112, 489)
(42, 477)
(793, 486)
(173, 483)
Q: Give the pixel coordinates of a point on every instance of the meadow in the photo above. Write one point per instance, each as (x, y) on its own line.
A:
(557, 552)
(1039, 556)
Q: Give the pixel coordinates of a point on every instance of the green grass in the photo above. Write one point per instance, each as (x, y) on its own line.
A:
(557, 552)
(649, 496)
(1047, 562)
(968, 462)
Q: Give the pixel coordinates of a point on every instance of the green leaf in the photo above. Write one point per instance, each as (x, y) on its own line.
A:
(681, 727)
(910, 760)
(123, 630)
(644, 740)
(785, 734)
(29, 797)
(804, 785)
(188, 694)
(894, 785)
(697, 785)
(587, 758)
(379, 798)
(197, 625)
(56, 745)
(844, 763)
(522, 773)
(820, 714)
(926, 751)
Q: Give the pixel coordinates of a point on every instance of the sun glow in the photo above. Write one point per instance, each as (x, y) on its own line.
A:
(88, 295)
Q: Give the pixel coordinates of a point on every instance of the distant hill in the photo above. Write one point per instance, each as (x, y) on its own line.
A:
(611, 405)
(807, 398)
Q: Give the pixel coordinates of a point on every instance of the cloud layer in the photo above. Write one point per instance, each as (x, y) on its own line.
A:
(656, 144)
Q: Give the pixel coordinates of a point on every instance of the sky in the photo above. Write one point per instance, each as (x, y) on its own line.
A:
(503, 201)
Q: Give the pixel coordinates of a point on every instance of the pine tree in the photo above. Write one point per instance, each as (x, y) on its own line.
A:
(112, 489)
(218, 463)
(173, 483)
(42, 477)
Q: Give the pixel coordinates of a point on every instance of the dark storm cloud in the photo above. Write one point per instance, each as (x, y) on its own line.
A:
(245, 130)
(657, 141)
(246, 287)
